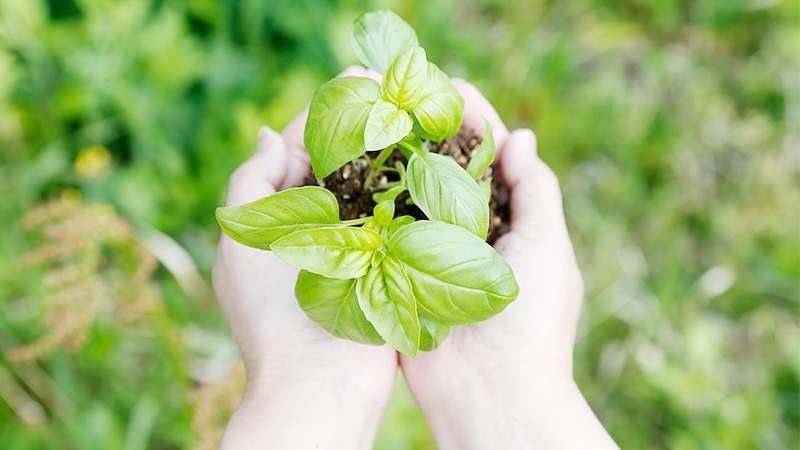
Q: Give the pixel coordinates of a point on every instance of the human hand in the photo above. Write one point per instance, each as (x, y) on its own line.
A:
(501, 383)
(305, 388)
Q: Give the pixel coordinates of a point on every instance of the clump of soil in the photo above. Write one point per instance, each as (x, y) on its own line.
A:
(354, 202)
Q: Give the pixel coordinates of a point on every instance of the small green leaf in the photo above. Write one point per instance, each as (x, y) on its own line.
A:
(384, 212)
(377, 37)
(386, 125)
(372, 224)
(337, 119)
(333, 304)
(444, 191)
(440, 109)
(484, 157)
(457, 277)
(486, 187)
(392, 193)
(377, 257)
(404, 82)
(399, 222)
(431, 334)
(387, 300)
(331, 252)
(262, 222)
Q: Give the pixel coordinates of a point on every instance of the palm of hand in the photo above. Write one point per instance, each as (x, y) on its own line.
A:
(256, 292)
(536, 333)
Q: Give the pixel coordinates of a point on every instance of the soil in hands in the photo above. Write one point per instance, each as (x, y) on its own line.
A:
(354, 202)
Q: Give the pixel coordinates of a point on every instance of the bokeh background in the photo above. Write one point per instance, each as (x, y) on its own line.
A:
(674, 126)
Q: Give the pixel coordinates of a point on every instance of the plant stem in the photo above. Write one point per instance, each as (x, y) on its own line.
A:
(376, 165)
(358, 221)
(409, 146)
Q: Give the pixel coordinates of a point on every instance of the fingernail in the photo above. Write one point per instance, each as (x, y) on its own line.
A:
(265, 132)
(523, 142)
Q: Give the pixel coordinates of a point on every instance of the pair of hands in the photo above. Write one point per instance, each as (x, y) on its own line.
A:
(307, 388)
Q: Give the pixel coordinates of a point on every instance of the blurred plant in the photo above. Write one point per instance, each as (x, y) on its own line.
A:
(82, 274)
(214, 403)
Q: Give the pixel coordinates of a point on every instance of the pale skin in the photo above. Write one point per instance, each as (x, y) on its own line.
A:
(503, 383)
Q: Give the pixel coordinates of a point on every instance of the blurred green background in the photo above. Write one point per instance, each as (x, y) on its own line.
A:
(674, 127)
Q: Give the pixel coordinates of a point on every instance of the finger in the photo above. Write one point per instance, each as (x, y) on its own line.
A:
(536, 203)
(299, 166)
(475, 107)
(263, 173)
(293, 133)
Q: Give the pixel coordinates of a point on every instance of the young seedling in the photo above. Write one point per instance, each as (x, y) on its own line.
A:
(383, 278)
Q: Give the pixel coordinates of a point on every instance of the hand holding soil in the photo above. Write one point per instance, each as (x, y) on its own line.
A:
(295, 369)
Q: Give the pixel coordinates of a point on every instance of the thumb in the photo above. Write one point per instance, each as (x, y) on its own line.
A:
(263, 173)
(536, 204)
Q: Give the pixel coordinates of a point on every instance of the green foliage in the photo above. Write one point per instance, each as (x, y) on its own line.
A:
(344, 121)
(331, 252)
(386, 125)
(458, 278)
(333, 303)
(484, 157)
(669, 123)
(262, 222)
(387, 300)
(337, 120)
(444, 191)
(378, 36)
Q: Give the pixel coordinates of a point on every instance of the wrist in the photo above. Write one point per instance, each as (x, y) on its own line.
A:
(488, 411)
(304, 411)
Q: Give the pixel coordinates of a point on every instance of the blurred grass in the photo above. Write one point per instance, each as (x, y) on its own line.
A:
(674, 127)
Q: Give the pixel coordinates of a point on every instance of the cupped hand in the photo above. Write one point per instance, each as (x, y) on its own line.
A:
(287, 356)
(481, 387)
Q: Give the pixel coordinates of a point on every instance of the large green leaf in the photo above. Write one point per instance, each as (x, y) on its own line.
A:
(377, 37)
(332, 252)
(431, 334)
(262, 222)
(484, 157)
(337, 118)
(333, 304)
(404, 82)
(440, 109)
(386, 297)
(444, 191)
(386, 125)
(457, 277)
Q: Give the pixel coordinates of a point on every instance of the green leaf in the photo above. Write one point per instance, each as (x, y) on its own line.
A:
(399, 222)
(484, 157)
(387, 300)
(405, 80)
(384, 212)
(444, 191)
(332, 252)
(440, 109)
(457, 277)
(333, 304)
(386, 125)
(262, 222)
(431, 334)
(378, 36)
(486, 187)
(337, 118)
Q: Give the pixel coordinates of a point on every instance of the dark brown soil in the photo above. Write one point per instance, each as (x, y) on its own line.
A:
(346, 184)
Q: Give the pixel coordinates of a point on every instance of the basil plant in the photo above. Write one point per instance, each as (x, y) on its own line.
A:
(384, 278)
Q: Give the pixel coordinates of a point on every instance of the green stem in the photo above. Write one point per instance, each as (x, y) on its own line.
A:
(375, 166)
(410, 147)
(359, 221)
